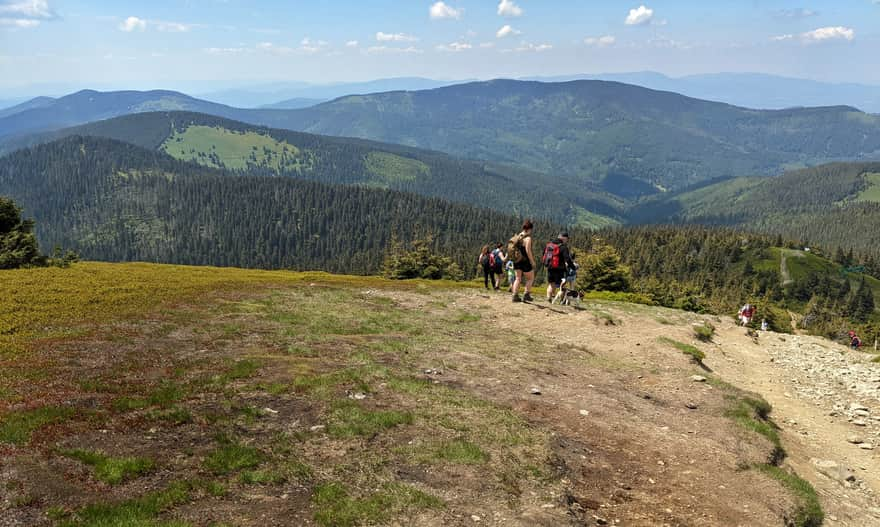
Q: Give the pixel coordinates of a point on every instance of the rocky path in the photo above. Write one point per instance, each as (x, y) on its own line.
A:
(826, 399)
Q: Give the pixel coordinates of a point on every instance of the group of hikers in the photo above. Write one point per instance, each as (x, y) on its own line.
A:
(519, 265)
(748, 311)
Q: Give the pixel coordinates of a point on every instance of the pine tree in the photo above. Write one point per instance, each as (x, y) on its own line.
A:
(18, 245)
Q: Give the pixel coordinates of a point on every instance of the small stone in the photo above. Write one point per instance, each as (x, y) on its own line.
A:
(862, 413)
(600, 521)
(152, 431)
(316, 428)
(691, 406)
(866, 446)
(859, 422)
(536, 391)
(856, 440)
(698, 378)
(547, 506)
(475, 518)
(359, 396)
(270, 411)
(584, 413)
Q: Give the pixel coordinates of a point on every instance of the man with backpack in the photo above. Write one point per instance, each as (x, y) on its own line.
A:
(558, 262)
(519, 250)
(854, 341)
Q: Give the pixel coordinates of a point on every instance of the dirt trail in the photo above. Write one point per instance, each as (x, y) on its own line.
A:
(826, 399)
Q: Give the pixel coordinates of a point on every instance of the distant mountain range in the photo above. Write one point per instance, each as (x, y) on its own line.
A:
(622, 139)
(301, 95)
(749, 90)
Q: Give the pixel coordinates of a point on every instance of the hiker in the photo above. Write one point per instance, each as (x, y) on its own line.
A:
(496, 262)
(568, 294)
(557, 260)
(854, 341)
(746, 313)
(511, 274)
(765, 326)
(519, 249)
(483, 262)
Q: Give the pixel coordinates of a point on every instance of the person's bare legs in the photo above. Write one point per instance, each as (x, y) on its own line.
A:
(530, 279)
(518, 282)
(551, 291)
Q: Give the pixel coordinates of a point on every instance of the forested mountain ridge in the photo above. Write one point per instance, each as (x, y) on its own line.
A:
(834, 205)
(250, 149)
(627, 137)
(114, 201)
(627, 140)
(45, 114)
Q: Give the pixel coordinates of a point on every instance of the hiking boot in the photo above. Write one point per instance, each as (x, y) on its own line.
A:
(516, 299)
(527, 297)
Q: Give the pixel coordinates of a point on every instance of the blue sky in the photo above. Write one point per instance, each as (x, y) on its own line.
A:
(172, 43)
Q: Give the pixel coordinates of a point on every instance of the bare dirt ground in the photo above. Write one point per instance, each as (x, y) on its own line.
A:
(390, 407)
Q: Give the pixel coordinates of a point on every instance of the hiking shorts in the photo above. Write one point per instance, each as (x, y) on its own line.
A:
(525, 266)
(555, 276)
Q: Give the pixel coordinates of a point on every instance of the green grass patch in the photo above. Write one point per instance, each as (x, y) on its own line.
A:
(16, 427)
(462, 452)
(613, 296)
(752, 413)
(137, 512)
(220, 147)
(111, 470)
(177, 416)
(704, 332)
(231, 456)
(872, 192)
(388, 169)
(348, 419)
(809, 511)
(262, 477)
(337, 508)
(691, 351)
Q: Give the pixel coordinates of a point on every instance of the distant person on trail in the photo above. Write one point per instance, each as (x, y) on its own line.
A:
(483, 263)
(496, 262)
(765, 326)
(519, 249)
(854, 341)
(746, 313)
(557, 260)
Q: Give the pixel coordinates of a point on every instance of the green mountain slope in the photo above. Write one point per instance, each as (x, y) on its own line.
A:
(606, 132)
(249, 149)
(834, 205)
(115, 201)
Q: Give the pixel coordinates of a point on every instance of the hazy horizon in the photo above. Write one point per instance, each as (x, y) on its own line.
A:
(232, 43)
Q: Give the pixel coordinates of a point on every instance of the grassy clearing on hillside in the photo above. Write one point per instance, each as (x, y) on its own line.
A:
(691, 351)
(388, 169)
(207, 145)
(872, 193)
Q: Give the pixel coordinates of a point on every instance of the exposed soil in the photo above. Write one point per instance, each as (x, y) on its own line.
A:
(619, 433)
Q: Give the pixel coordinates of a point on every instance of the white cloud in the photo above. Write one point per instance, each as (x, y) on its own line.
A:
(506, 31)
(352, 44)
(441, 10)
(509, 8)
(25, 13)
(822, 34)
(173, 27)
(375, 50)
(455, 47)
(829, 33)
(639, 16)
(307, 45)
(19, 22)
(27, 9)
(225, 51)
(796, 13)
(394, 37)
(528, 46)
(133, 23)
(600, 42)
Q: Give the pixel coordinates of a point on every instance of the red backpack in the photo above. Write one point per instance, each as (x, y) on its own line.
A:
(552, 256)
